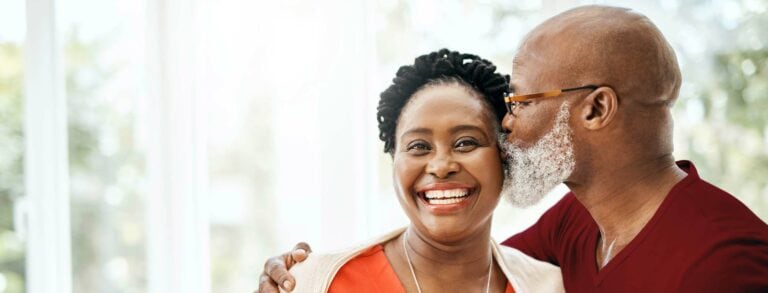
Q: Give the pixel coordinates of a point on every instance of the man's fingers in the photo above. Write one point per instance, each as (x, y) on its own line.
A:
(276, 269)
(300, 252)
(266, 285)
(303, 245)
(299, 255)
(285, 280)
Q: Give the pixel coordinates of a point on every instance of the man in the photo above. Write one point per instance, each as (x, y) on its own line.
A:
(635, 220)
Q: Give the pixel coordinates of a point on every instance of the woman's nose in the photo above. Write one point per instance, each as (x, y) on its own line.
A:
(443, 166)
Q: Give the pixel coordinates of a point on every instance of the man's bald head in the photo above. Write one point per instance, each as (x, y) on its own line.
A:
(603, 46)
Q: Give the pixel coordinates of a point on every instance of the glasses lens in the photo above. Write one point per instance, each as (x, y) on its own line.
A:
(511, 107)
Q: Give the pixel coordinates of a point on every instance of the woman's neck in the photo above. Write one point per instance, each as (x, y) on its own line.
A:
(471, 250)
(460, 266)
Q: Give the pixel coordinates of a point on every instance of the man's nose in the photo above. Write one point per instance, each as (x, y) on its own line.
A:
(507, 123)
(443, 166)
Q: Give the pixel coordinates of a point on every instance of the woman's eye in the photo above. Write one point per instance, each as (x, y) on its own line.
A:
(465, 145)
(417, 148)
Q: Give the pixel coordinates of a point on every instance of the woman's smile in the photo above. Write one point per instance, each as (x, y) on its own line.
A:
(446, 198)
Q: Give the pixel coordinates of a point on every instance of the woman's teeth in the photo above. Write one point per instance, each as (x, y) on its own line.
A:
(449, 196)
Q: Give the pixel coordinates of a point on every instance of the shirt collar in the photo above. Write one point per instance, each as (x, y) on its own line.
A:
(689, 168)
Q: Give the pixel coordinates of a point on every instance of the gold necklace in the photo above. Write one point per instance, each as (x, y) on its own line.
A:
(413, 273)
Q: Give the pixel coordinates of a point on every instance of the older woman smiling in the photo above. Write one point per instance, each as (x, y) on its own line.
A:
(440, 121)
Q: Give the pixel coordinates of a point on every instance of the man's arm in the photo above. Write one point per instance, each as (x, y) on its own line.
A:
(276, 270)
(541, 240)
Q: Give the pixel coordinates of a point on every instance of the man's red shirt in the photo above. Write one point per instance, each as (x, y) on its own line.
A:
(701, 239)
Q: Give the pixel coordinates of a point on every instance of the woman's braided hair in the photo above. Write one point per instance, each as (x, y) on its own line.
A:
(434, 68)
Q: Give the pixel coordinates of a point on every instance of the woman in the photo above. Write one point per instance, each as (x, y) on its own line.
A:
(439, 121)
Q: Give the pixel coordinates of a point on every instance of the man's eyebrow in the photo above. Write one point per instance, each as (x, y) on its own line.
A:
(511, 89)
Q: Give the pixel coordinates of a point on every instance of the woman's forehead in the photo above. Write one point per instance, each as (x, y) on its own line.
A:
(445, 106)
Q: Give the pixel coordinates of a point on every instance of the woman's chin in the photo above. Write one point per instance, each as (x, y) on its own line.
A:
(448, 231)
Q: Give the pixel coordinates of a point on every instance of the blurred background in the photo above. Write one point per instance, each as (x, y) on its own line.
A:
(173, 145)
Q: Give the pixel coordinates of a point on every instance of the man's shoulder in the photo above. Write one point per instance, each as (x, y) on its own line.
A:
(726, 242)
(721, 212)
(709, 204)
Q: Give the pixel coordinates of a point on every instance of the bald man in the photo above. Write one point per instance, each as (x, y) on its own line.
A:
(635, 220)
(593, 88)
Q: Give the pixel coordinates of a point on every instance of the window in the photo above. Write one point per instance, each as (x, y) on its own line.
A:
(171, 146)
(12, 249)
(103, 52)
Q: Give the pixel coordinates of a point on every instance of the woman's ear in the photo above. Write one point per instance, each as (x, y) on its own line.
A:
(599, 108)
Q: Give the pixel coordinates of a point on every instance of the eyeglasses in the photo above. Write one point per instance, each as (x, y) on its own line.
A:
(513, 100)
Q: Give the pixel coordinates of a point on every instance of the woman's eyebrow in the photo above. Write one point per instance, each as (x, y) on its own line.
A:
(467, 127)
(419, 130)
(457, 128)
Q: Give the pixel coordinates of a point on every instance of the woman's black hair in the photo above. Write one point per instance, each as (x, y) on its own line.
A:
(436, 67)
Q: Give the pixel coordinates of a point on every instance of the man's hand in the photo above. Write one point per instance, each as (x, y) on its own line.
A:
(276, 270)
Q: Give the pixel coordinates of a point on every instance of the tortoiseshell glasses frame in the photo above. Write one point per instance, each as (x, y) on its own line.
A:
(512, 100)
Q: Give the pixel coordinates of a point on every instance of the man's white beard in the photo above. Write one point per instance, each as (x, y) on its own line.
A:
(533, 172)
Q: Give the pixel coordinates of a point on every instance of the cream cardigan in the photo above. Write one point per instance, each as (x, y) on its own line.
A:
(524, 273)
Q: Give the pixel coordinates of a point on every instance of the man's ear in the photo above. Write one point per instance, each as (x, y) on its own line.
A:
(599, 108)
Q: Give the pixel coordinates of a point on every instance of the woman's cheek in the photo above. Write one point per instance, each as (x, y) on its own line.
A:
(406, 172)
(489, 170)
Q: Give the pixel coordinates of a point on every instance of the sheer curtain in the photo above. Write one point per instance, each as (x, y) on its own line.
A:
(291, 131)
(216, 125)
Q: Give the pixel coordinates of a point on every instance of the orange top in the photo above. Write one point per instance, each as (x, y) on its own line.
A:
(371, 272)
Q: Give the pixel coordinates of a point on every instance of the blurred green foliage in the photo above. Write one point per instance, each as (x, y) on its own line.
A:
(12, 264)
(728, 140)
(730, 145)
(105, 167)
(94, 174)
